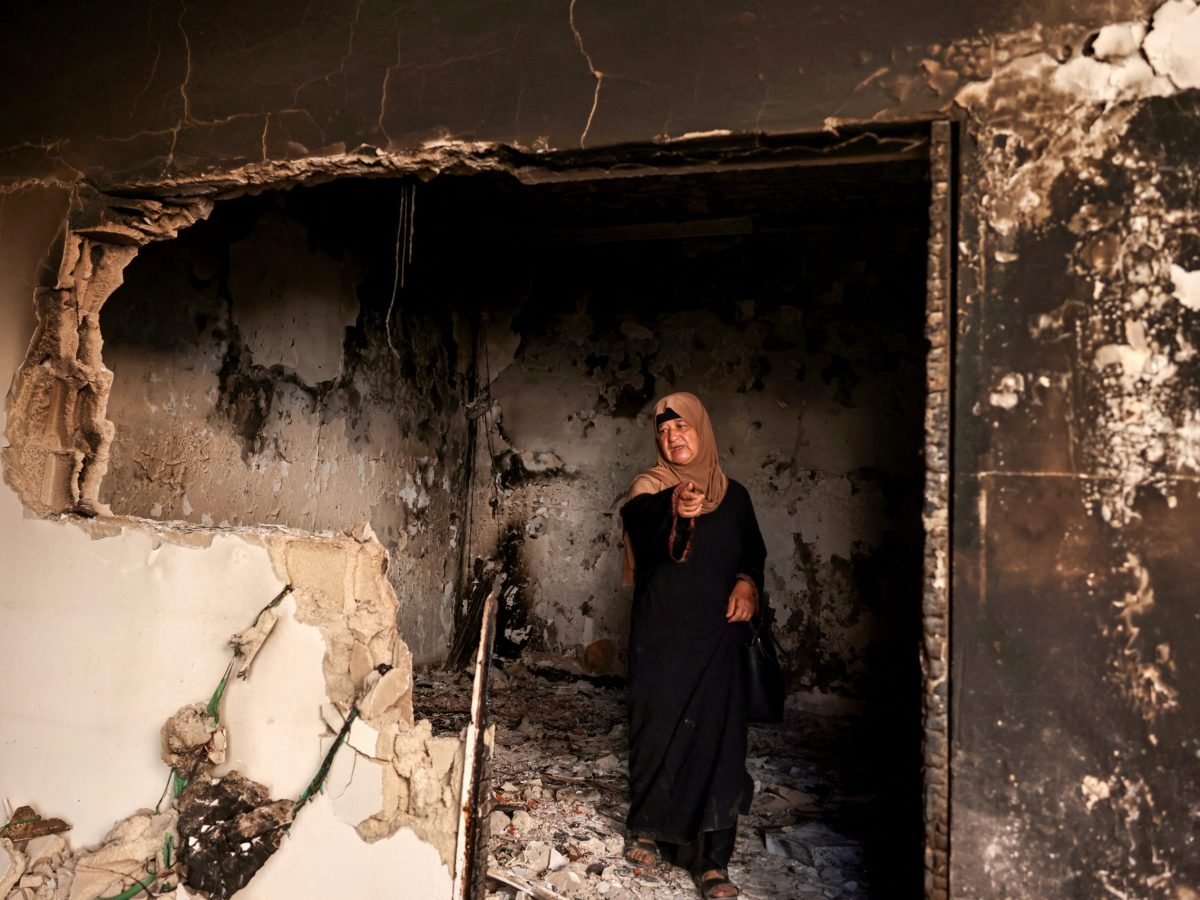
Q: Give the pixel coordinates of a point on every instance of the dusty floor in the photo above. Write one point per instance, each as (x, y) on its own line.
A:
(559, 776)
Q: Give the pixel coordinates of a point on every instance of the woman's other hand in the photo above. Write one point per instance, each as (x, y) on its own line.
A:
(743, 602)
(691, 501)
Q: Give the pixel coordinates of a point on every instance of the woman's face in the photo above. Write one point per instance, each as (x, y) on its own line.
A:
(678, 441)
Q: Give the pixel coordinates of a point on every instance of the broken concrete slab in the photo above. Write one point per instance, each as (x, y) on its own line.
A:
(814, 844)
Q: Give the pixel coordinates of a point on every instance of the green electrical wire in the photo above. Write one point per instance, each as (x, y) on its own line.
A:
(135, 890)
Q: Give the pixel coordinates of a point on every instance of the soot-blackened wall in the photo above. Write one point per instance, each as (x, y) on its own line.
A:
(254, 384)
(802, 333)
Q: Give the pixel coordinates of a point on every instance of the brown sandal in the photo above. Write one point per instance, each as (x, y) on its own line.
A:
(706, 886)
(643, 845)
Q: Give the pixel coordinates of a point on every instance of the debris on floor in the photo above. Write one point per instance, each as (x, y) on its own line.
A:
(559, 777)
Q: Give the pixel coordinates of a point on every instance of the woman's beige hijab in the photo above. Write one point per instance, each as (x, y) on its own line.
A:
(704, 469)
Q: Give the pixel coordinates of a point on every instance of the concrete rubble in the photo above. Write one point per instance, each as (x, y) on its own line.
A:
(559, 780)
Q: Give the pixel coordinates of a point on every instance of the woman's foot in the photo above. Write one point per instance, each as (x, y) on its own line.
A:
(715, 883)
(642, 852)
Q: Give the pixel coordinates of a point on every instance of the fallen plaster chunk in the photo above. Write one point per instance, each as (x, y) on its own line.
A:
(228, 827)
(567, 882)
(536, 857)
(1118, 41)
(191, 737)
(384, 693)
(1008, 393)
(124, 857)
(1126, 79)
(12, 866)
(247, 643)
(1173, 44)
(1187, 284)
(1094, 790)
(45, 851)
(324, 857)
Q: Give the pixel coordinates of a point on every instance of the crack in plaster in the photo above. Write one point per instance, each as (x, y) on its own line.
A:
(186, 114)
(383, 93)
(149, 81)
(596, 73)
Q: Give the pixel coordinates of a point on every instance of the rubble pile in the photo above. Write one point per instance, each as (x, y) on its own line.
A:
(559, 778)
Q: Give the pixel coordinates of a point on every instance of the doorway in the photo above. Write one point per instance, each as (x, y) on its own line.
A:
(500, 331)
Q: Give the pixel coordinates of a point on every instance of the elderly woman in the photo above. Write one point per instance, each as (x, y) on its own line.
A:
(694, 555)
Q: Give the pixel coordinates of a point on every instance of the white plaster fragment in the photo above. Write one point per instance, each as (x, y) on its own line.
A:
(1089, 79)
(1119, 40)
(1187, 284)
(1094, 790)
(1131, 359)
(12, 866)
(1173, 45)
(1008, 393)
(332, 717)
(384, 693)
(249, 642)
(363, 738)
(355, 785)
(1085, 77)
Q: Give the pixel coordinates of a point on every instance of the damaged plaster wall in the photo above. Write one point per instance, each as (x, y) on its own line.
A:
(812, 373)
(253, 383)
(117, 623)
(1077, 465)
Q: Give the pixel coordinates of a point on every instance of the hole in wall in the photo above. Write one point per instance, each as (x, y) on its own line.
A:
(254, 383)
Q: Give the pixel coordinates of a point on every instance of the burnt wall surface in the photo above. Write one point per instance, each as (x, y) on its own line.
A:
(254, 383)
(1074, 505)
(188, 87)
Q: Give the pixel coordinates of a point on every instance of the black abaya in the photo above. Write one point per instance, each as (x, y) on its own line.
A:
(687, 762)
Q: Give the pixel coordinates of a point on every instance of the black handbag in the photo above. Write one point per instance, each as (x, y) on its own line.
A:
(766, 684)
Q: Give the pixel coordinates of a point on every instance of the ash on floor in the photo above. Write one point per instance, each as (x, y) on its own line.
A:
(560, 782)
